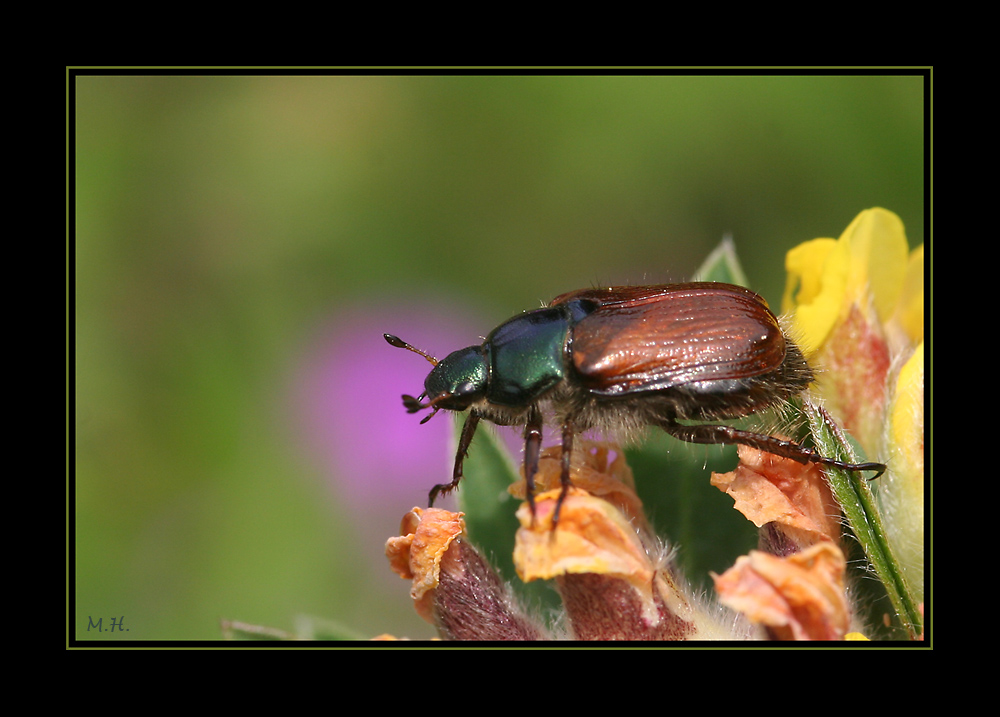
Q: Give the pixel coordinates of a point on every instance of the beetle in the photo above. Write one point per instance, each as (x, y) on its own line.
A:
(623, 358)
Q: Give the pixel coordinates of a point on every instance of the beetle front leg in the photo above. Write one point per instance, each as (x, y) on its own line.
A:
(532, 448)
(468, 431)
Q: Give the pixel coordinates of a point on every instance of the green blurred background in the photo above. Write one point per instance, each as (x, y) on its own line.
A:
(222, 222)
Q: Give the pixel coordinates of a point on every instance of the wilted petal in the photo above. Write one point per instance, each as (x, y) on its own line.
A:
(597, 467)
(614, 586)
(591, 536)
(786, 496)
(416, 554)
(796, 597)
(610, 587)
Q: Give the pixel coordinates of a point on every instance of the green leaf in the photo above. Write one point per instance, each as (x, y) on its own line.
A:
(723, 265)
(235, 630)
(482, 495)
(853, 492)
(306, 628)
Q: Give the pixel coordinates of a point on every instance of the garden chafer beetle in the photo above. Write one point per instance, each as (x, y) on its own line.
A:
(620, 359)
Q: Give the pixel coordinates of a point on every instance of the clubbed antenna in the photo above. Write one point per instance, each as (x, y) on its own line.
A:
(400, 344)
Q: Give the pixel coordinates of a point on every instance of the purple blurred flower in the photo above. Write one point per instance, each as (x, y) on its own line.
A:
(347, 402)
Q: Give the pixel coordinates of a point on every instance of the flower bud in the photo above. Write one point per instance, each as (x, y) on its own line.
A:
(453, 587)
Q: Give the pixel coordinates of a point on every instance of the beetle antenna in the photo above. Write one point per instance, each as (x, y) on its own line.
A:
(414, 404)
(400, 344)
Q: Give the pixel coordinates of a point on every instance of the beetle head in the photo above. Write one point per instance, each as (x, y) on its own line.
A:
(455, 383)
(458, 380)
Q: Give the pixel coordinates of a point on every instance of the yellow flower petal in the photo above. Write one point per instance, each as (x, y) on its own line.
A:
(865, 267)
(804, 265)
(907, 418)
(878, 259)
(902, 495)
(817, 277)
(910, 310)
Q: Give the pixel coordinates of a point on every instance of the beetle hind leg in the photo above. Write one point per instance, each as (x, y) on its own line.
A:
(722, 434)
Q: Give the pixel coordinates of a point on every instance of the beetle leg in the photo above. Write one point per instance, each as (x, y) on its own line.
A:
(468, 431)
(722, 434)
(568, 431)
(532, 447)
